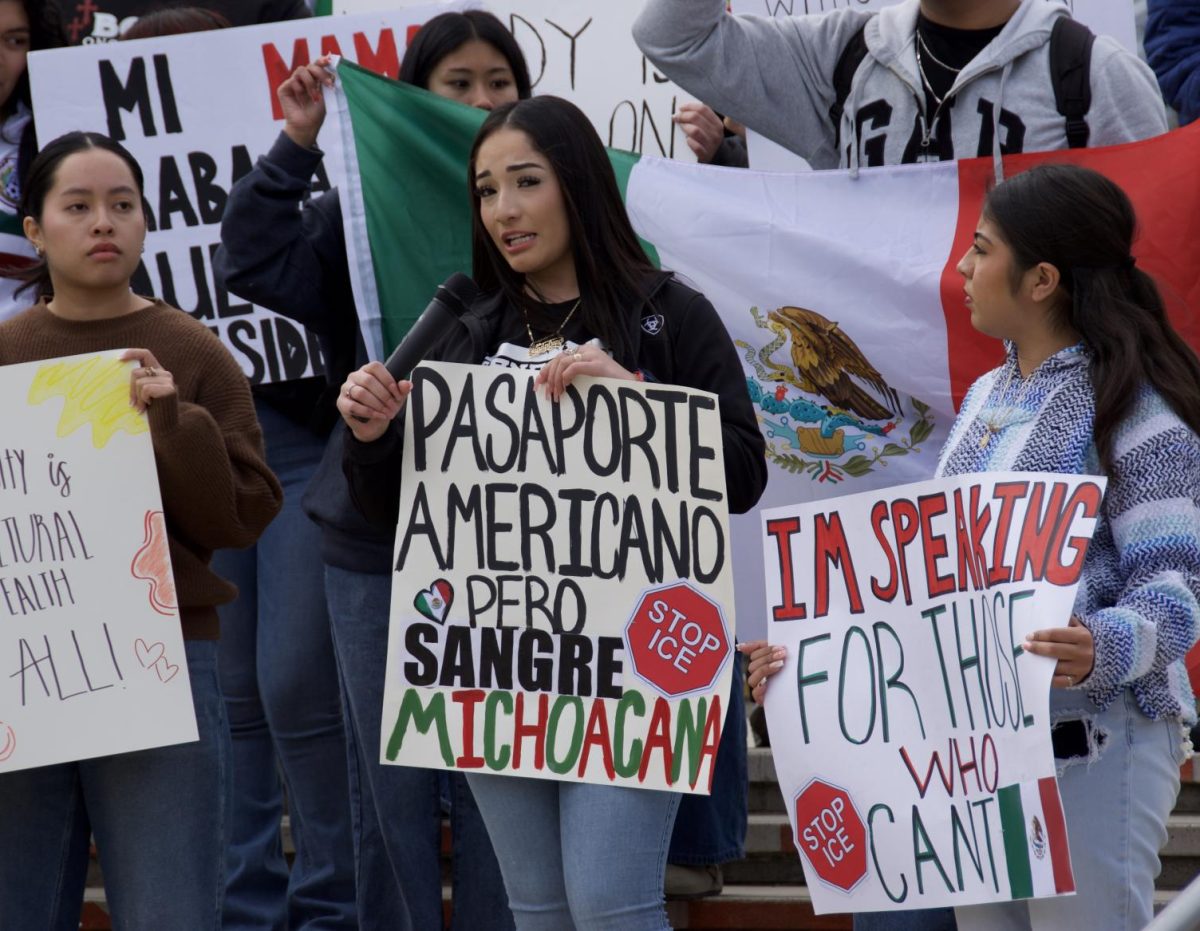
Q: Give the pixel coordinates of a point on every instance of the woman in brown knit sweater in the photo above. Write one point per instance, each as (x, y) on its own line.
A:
(158, 816)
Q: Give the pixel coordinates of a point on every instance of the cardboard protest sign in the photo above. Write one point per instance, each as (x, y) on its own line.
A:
(196, 111)
(585, 52)
(910, 730)
(562, 605)
(91, 655)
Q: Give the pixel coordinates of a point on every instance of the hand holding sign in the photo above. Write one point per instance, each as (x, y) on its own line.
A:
(303, 103)
(765, 660)
(1072, 646)
(586, 360)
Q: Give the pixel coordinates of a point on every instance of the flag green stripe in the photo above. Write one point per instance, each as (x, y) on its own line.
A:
(412, 148)
(623, 164)
(323, 8)
(1016, 845)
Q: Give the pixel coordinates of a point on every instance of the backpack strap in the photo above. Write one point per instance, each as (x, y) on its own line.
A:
(1071, 74)
(843, 76)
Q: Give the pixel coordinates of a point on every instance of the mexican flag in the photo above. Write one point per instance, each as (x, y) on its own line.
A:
(839, 290)
(1035, 839)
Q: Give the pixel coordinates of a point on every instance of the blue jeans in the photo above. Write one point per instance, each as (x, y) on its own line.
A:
(160, 821)
(575, 855)
(397, 809)
(281, 693)
(712, 828)
(1116, 804)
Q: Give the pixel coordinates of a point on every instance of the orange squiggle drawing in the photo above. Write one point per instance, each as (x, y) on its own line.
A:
(95, 391)
(152, 563)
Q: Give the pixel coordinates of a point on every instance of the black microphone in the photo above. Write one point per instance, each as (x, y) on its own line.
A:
(449, 302)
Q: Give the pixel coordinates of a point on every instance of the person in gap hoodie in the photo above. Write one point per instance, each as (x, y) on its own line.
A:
(904, 105)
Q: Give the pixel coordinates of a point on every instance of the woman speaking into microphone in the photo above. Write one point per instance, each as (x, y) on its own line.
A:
(564, 289)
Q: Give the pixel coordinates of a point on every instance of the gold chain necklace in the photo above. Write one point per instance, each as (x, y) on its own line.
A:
(555, 340)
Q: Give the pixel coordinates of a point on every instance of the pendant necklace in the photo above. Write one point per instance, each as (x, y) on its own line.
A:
(555, 340)
(993, 426)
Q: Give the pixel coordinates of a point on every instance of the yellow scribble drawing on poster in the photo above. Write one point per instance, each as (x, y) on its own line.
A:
(94, 391)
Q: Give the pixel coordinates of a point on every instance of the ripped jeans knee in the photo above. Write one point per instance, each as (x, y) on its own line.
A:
(1077, 739)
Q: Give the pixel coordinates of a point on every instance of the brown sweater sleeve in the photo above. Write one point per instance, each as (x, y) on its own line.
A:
(217, 490)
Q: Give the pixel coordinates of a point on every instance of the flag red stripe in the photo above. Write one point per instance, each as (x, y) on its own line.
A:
(1056, 831)
(1160, 177)
(970, 352)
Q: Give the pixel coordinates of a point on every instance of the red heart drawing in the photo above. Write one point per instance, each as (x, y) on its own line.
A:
(150, 654)
(166, 671)
(10, 742)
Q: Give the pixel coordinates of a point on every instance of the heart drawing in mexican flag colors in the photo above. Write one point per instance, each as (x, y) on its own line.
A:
(840, 290)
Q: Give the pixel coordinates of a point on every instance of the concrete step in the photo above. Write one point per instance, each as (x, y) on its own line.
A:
(739, 908)
(744, 908)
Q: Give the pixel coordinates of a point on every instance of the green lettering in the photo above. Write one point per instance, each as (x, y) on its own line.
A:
(689, 736)
(567, 763)
(875, 856)
(493, 760)
(411, 710)
(923, 852)
(627, 767)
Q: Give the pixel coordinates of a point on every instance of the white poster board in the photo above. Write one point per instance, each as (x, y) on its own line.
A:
(562, 603)
(910, 730)
(585, 52)
(196, 111)
(90, 645)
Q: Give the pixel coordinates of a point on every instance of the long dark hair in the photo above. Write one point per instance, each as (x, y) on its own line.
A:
(610, 265)
(175, 21)
(447, 32)
(1084, 225)
(41, 36)
(39, 183)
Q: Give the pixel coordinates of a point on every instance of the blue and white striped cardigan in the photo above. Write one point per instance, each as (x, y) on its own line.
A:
(1141, 579)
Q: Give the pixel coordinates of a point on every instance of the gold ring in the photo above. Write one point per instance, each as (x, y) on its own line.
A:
(149, 370)
(1070, 681)
(577, 354)
(347, 391)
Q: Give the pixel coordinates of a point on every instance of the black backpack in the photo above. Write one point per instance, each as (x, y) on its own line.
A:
(1070, 72)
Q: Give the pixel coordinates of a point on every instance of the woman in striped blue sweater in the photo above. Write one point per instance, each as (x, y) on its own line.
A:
(1096, 381)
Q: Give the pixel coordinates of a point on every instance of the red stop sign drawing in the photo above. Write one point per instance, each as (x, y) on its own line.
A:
(677, 640)
(830, 834)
